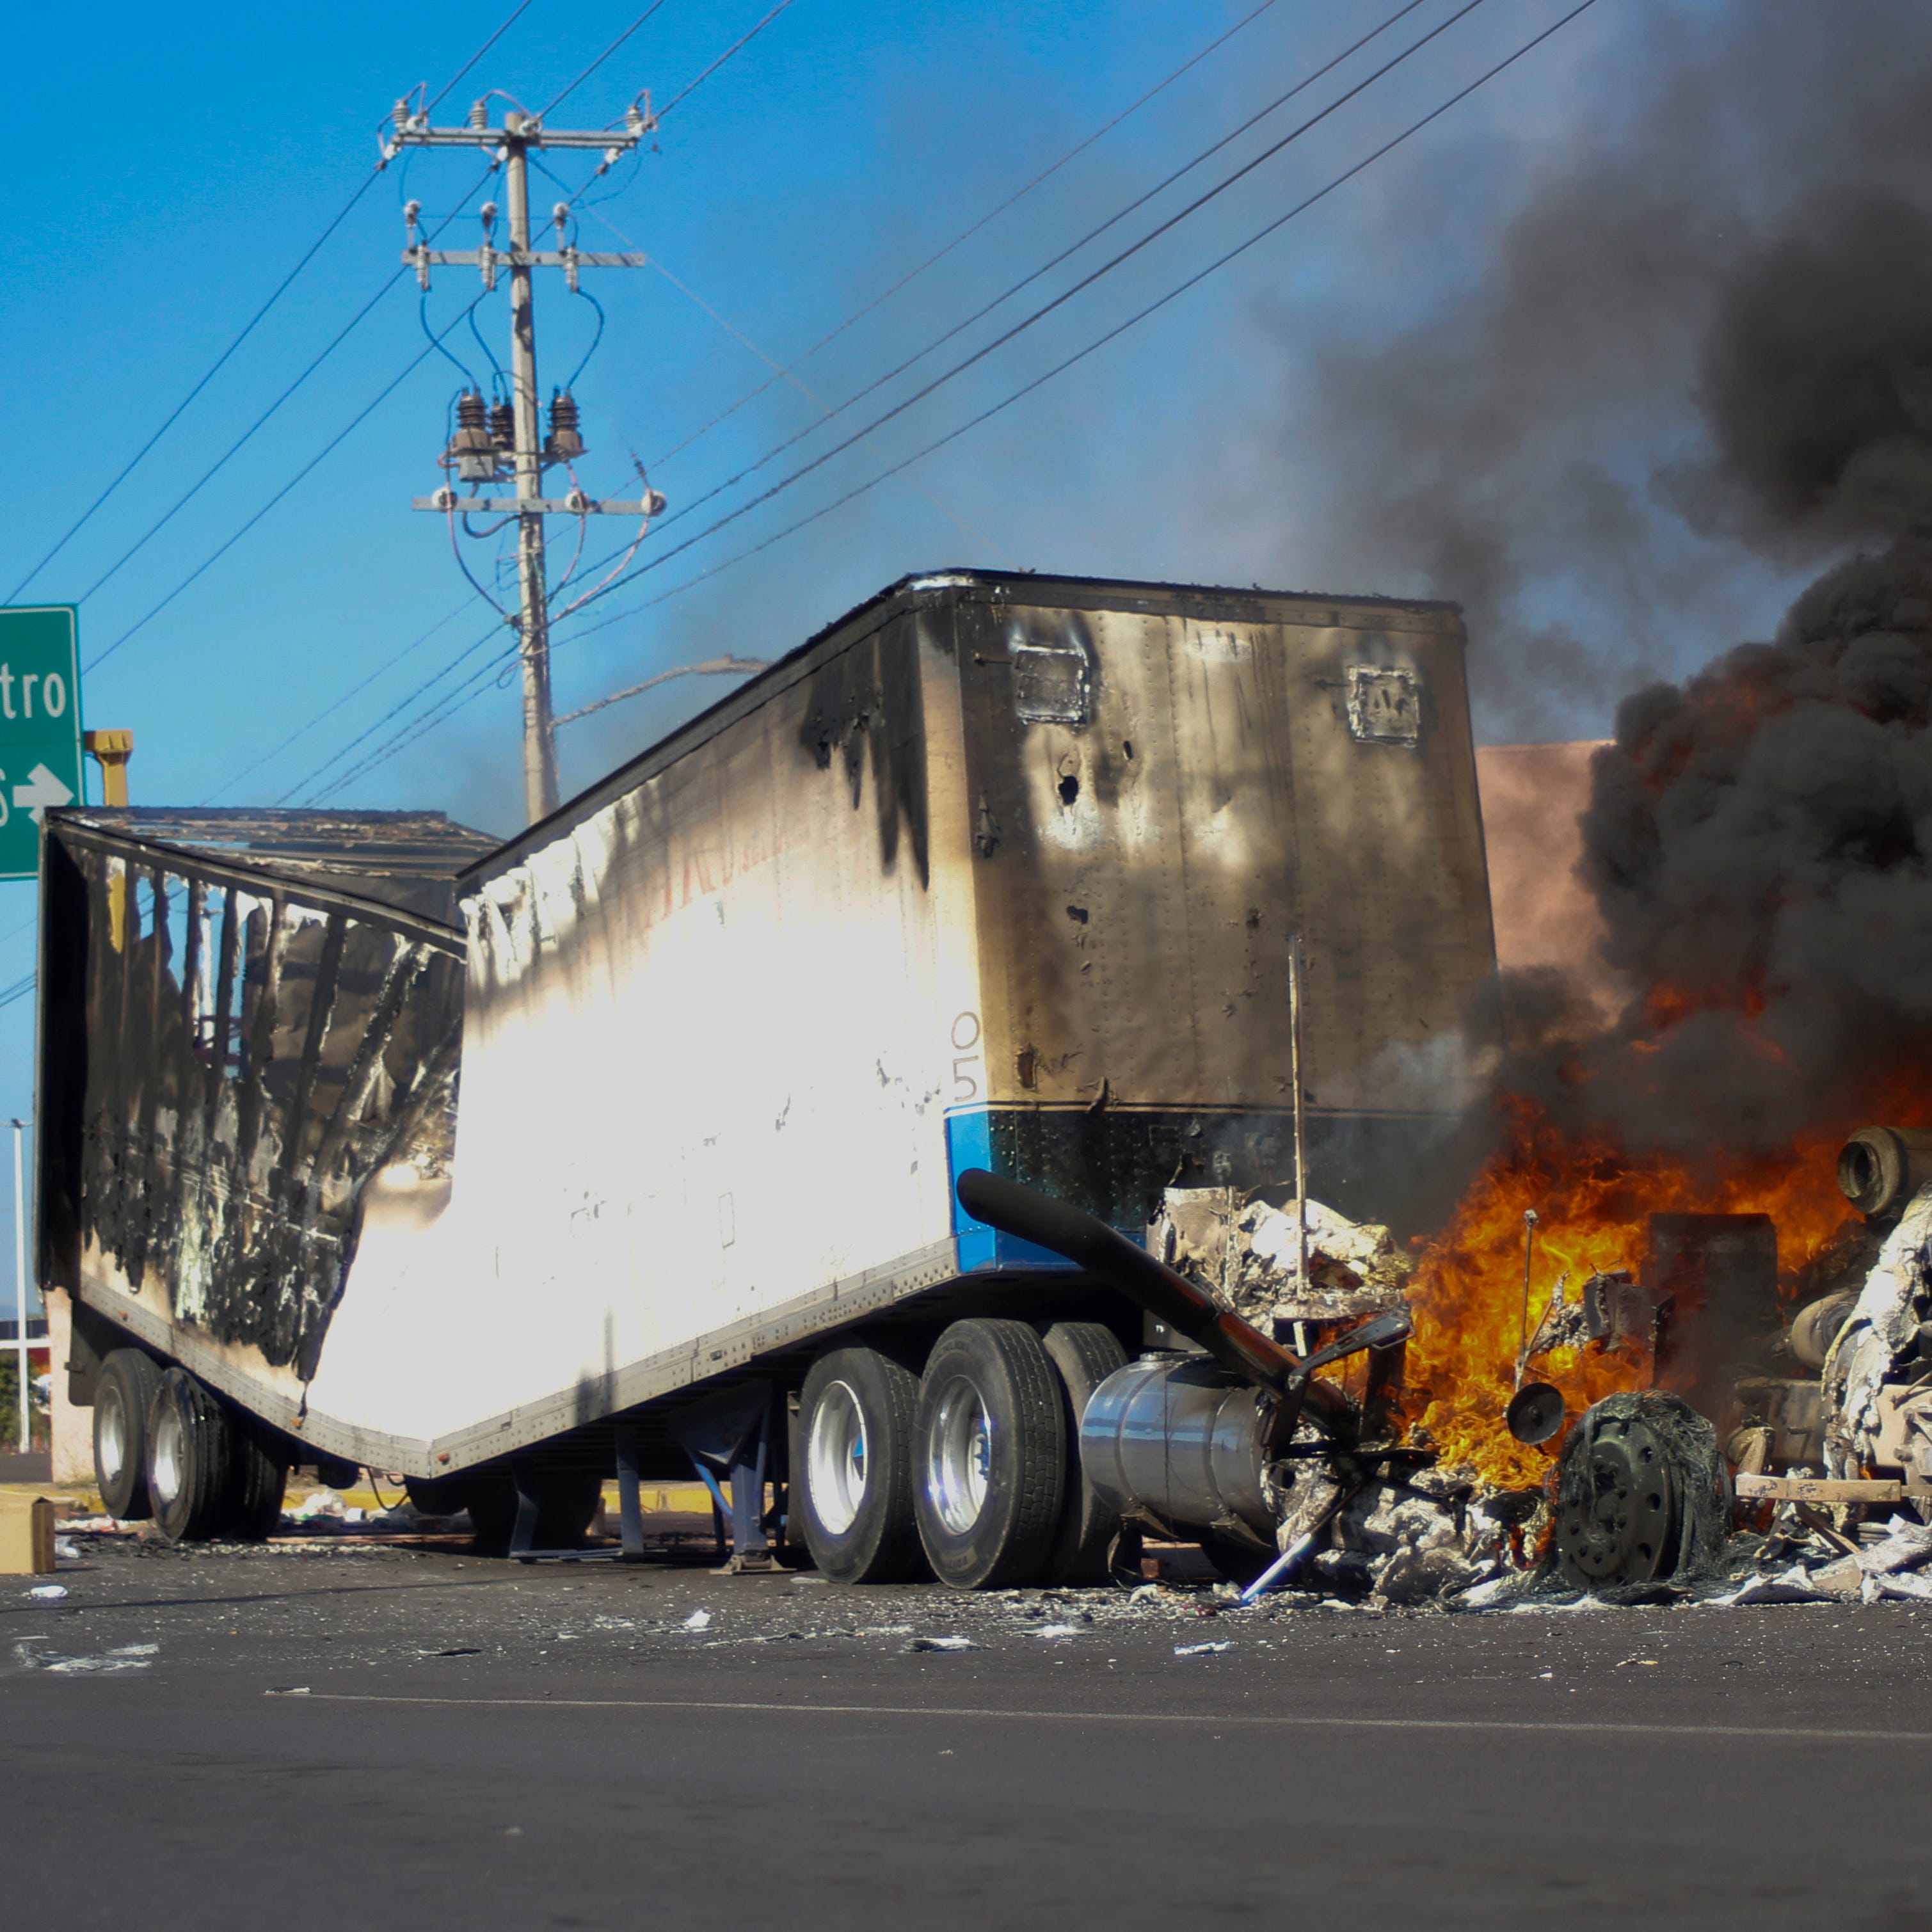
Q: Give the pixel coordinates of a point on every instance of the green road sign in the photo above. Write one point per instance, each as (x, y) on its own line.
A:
(39, 727)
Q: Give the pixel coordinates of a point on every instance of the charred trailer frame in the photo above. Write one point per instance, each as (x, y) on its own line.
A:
(999, 872)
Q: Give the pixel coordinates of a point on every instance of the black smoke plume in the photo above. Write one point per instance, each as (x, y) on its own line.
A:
(1705, 343)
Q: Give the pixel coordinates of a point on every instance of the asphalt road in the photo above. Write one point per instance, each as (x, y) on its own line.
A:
(419, 1741)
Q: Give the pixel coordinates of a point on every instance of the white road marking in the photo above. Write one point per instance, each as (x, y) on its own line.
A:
(1797, 1732)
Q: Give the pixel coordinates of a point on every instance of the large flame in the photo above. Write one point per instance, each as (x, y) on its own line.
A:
(1594, 1205)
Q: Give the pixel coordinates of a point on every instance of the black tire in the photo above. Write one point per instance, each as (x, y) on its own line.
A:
(851, 1498)
(1084, 1354)
(123, 1393)
(258, 1479)
(189, 1460)
(992, 1467)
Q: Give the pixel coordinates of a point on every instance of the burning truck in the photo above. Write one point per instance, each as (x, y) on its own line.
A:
(1004, 1082)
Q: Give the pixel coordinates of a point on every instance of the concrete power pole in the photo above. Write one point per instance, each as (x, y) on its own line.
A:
(479, 450)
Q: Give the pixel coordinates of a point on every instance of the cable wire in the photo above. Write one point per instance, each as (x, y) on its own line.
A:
(301, 731)
(247, 329)
(1039, 314)
(1327, 67)
(744, 40)
(471, 687)
(967, 232)
(328, 449)
(449, 88)
(557, 101)
(785, 375)
(220, 462)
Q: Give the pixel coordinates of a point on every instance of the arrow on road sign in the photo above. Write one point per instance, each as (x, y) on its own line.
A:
(41, 789)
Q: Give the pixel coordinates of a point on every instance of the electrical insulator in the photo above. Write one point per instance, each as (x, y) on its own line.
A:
(503, 426)
(400, 114)
(479, 112)
(488, 212)
(564, 444)
(470, 448)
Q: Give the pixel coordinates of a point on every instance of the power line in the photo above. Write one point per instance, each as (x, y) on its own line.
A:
(966, 233)
(1139, 316)
(449, 86)
(557, 101)
(738, 335)
(1019, 328)
(418, 728)
(1308, 80)
(691, 87)
(683, 93)
(355, 690)
(181, 502)
(395, 710)
(328, 449)
(247, 329)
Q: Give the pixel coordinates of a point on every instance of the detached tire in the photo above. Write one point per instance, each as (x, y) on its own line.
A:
(852, 1479)
(123, 1394)
(992, 1455)
(189, 1460)
(1084, 1354)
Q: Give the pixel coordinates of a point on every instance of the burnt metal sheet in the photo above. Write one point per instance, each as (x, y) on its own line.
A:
(225, 1060)
(403, 859)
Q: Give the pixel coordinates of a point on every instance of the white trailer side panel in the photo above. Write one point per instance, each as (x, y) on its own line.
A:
(709, 1040)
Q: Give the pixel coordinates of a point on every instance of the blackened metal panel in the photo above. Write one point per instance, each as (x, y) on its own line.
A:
(244, 1062)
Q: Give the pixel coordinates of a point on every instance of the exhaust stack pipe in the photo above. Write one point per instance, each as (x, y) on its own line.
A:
(1091, 1244)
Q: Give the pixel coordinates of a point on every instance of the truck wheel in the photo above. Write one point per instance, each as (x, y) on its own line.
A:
(992, 1455)
(852, 1483)
(122, 1397)
(1083, 1354)
(190, 1458)
(257, 1478)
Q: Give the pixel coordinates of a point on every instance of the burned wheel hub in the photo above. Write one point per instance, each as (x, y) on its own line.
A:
(1617, 1513)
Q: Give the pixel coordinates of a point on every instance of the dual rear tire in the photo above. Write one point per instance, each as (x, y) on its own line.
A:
(971, 1469)
(164, 1446)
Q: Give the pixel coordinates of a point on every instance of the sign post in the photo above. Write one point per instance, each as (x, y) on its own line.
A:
(39, 727)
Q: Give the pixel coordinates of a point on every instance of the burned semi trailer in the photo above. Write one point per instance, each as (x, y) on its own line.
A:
(634, 1144)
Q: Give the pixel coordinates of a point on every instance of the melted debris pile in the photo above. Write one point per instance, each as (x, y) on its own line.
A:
(1246, 1253)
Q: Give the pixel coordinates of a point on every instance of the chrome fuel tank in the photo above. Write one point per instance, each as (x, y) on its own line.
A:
(1179, 1438)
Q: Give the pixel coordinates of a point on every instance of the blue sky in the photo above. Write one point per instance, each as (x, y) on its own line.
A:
(169, 168)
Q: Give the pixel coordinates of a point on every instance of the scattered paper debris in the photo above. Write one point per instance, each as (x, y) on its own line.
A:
(1202, 1649)
(698, 1620)
(943, 1643)
(48, 1593)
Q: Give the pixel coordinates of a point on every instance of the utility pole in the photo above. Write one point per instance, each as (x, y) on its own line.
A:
(487, 441)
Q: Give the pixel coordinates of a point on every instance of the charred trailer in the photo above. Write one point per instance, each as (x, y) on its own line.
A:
(633, 1145)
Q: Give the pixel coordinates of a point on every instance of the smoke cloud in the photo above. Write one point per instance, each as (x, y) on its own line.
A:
(1692, 367)
(1701, 357)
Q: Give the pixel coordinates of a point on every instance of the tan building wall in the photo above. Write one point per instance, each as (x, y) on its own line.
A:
(1532, 796)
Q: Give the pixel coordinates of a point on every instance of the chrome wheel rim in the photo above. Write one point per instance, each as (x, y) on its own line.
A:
(958, 1456)
(110, 1437)
(837, 1459)
(165, 1459)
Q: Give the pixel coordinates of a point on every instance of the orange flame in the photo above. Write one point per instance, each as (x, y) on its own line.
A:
(1594, 1204)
